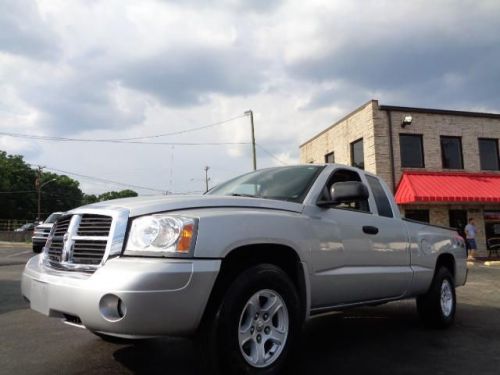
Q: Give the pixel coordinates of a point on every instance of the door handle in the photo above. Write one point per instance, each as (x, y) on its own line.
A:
(368, 229)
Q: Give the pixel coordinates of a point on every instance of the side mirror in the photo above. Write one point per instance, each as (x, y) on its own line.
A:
(348, 191)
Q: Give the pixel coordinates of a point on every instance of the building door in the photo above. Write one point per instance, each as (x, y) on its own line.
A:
(458, 220)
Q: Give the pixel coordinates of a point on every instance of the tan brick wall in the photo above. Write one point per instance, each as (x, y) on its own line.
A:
(432, 126)
(338, 138)
(372, 124)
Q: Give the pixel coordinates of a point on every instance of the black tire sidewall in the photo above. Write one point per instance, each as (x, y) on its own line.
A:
(429, 305)
(264, 276)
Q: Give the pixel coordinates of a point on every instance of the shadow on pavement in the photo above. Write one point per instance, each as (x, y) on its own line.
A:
(11, 298)
(159, 356)
(378, 340)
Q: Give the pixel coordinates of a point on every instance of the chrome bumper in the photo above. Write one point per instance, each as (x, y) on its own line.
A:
(158, 296)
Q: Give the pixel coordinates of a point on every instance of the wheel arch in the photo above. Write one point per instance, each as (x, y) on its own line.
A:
(243, 257)
(446, 260)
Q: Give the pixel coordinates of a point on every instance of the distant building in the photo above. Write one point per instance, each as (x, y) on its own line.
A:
(443, 165)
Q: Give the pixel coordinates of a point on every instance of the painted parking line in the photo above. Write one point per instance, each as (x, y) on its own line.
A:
(17, 254)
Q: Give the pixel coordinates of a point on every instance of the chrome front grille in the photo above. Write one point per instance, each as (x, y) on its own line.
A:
(94, 225)
(84, 239)
(88, 252)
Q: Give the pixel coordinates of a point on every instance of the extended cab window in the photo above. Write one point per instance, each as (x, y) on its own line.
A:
(344, 175)
(383, 203)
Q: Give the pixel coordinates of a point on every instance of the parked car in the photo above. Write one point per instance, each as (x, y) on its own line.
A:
(42, 231)
(244, 266)
(25, 228)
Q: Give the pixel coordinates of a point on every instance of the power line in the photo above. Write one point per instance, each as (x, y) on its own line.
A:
(271, 155)
(58, 139)
(133, 140)
(17, 192)
(104, 180)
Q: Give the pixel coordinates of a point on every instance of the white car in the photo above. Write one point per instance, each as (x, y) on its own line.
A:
(42, 232)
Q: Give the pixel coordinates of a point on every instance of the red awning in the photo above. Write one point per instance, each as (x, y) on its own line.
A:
(416, 187)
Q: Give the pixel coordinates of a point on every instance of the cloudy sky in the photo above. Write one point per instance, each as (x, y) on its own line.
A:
(119, 69)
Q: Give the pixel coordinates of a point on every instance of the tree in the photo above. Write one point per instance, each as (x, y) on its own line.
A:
(117, 194)
(62, 194)
(18, 193)
(89, 198)
(18, 196)
(92, 198)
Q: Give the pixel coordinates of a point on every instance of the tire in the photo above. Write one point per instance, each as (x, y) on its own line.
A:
(37, 249)
(259, 310)
(437, 307)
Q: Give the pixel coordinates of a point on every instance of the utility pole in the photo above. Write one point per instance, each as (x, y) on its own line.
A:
(250, 113)
(206, 178)
(38, 186)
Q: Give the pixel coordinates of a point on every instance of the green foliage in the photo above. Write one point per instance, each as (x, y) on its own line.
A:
(61, 194)
(18, 197)
(17, 184)
(87, 199)
(18, 192)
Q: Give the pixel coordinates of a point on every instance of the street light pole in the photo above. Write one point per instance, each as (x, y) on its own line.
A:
(39, 191)
(206, 178)
(250, 113)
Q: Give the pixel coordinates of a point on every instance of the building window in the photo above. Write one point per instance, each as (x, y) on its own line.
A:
(412, 150)
(451, 152)
(330, 158)
(488, 154)
(357, 154)
(418, 215)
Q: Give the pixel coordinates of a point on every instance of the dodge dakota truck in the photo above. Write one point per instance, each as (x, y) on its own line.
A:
(242, 267)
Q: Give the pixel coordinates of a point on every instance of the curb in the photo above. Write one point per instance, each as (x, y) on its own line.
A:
(492, 263)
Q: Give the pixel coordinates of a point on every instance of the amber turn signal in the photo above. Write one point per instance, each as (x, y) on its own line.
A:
(184, 243)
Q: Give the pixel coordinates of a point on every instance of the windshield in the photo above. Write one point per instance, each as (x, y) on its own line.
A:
(284, 183)
(52, 218)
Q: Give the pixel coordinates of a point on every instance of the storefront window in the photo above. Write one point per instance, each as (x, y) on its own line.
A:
(492, 229)
(458, 220)
(418, 215)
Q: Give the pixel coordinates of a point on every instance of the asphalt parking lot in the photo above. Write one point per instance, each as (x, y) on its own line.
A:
(387, 339)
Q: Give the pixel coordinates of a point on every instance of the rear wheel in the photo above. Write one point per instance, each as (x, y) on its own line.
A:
(437, 307)
(256, 324)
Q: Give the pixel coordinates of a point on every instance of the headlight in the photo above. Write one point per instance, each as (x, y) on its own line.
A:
(161, 235)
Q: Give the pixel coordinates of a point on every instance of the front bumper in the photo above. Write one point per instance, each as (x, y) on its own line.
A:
(159, 296)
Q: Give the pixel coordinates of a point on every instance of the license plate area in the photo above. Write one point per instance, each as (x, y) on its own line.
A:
(39, 297)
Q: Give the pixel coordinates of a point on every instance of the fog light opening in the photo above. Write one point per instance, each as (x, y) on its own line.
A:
(112, 308)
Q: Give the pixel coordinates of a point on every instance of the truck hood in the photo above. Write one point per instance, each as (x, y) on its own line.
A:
(152, 204)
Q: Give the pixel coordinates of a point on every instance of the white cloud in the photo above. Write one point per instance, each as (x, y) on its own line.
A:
(122, 68)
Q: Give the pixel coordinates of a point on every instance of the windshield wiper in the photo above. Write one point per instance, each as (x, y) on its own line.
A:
(244, 195)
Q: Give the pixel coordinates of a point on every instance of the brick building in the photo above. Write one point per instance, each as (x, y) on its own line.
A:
(442, 165)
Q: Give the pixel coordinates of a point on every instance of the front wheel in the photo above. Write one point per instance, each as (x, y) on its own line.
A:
(437, 307)
(257, 323)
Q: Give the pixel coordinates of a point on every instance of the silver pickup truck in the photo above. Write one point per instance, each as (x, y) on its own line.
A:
(245, 265)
